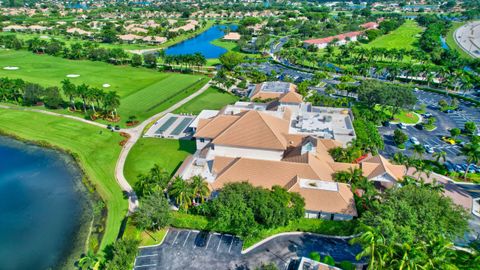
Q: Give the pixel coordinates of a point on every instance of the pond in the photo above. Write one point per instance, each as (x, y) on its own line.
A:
(201, 43)
(44, 208)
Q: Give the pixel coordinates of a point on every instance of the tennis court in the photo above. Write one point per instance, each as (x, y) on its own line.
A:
(172, 126)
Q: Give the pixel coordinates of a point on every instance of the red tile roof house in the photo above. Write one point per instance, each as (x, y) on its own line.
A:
(341, 39)
(369, 25)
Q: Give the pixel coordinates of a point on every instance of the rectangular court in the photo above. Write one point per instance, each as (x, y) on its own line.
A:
(172, 126)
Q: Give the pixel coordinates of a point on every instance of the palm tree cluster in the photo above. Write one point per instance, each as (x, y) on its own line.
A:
(187, 60)
(189, 192)
(95, 99)
(435, 253)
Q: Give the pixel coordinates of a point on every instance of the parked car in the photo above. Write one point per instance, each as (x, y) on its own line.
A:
(429, 149)
(402, 126)
(427, 115)
(109, 126)
(414, 140)
(449, 166)
(448, 111)
(448, 140)
(419, 126)
(117, 127)
(459, 168)
(470, 169)
(477, 168)
(386, 123)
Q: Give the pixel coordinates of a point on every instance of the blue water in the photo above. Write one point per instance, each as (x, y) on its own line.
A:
(41, 205)
(444, 43)
(201, 43)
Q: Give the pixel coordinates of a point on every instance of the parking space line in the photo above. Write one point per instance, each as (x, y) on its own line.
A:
(146, 265)
(184, 242)
(208, 241)
(144, 256)
(174, 240)
(219, 242)
(231, 244)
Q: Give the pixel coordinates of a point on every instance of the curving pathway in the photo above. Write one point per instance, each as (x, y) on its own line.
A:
(135, 134)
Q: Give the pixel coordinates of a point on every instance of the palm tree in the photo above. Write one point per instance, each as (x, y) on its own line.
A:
(472, 152)
(353, 175)
(70, 90)
(111, 102)
(418, 150)
(89, 261)
(200, 188)
(182, 191)
(440, 155)
(374, 247)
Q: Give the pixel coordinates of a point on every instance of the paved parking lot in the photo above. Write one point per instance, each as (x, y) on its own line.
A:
(445, 122)
(188, 249)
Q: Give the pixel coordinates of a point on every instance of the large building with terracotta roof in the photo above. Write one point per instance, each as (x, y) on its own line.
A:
(282, 144)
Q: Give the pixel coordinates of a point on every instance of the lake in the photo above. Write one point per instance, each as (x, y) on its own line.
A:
(43, 207)
(201, 43)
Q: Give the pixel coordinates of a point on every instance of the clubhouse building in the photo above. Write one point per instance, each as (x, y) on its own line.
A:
(282, 143)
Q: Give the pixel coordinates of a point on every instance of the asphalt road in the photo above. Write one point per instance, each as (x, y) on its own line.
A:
(188, 249)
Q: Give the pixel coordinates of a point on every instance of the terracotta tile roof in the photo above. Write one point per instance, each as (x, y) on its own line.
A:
(211, 128)
(322, 200)
(291, 97)
(378, 165)
(331, 38)
(268, 132)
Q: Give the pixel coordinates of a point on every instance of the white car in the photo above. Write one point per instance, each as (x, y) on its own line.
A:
(429, 149)
(414, 140)
(402, 126)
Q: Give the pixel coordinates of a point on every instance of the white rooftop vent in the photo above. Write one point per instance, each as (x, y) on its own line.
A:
(318, 184)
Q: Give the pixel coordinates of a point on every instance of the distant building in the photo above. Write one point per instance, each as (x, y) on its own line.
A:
(338, 40)
(271, 90)
(232, 36)
(369, 25)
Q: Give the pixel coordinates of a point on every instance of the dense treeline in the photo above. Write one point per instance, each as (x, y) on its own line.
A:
(94, 101)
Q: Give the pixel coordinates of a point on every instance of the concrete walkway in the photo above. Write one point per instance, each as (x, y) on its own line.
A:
(134, 132)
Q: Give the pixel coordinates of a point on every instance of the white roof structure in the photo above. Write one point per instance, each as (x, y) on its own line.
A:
(205, 114)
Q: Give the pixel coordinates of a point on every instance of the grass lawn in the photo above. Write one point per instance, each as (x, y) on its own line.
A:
(405, 117)
(143, 92)
(233, 47)
(211, 99)
(450, 40)
(168, 154)
(146, 238)
(404, 37)
(96, 148)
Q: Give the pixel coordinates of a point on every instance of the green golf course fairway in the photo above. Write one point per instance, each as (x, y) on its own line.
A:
(404, 37)
(143, 92)
(211, 99)
(97, 150)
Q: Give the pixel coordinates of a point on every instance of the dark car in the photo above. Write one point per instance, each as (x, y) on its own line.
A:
(386, 123)
(448, 111)
(117, 127)
(109, 126)
(419, 126)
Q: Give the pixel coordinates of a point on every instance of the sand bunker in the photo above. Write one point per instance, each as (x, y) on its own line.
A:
(106, 85)
(73, 75)
(11, 68)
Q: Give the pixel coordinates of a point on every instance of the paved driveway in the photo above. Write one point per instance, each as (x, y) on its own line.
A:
(187, 249)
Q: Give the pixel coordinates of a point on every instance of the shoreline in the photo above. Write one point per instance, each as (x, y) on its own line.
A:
(82, 184)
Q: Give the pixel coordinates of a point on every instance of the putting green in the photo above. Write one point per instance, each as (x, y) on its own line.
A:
(143, 92)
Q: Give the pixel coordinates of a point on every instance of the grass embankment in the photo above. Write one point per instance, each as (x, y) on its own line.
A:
(404, 37)
(143, 92)
(327, 227)
(212, 99)
(450, 40)
(168, 154)
(96, 149)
